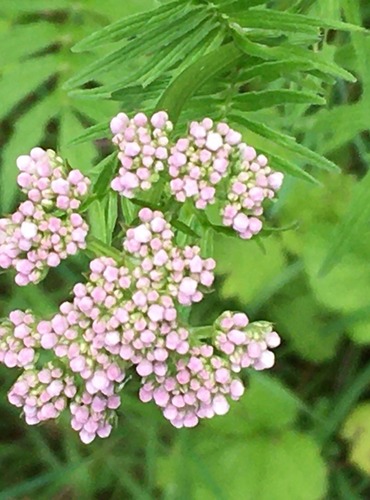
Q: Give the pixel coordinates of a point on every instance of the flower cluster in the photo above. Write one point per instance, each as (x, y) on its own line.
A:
(251, 184)
(182, 273)
(213, 153)
(246, 345)
(201, 160)
(18, 340)
(126, 315)
(47, 227)
(197, 388)
(143, 144)
(43, 394)
(211, 162)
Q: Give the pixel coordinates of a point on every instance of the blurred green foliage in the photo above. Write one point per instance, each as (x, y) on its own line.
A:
(303, 431)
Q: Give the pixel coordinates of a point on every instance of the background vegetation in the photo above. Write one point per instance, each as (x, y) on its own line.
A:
(303, 431)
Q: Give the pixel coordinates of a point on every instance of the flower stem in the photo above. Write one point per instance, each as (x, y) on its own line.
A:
(99, 248)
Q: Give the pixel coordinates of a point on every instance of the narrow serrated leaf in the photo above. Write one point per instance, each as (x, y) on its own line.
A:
(178, 224)
(107, 169)
(111, 214)
(178, 50)
(286, 141)
(98, 228)
(301, 6)
(196, 75)
(136, 92)
(151, 40)
(129, 210)
(98, 131)
(289, 167)
(188, 36)
(270, 71)
(285, 21)
(125, 27)
(253, 101)
(292, 53)
(213, 41)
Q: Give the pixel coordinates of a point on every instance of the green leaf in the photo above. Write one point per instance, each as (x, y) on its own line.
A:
(288, 167)
(356, 430)
(196, 75)
(263, 467)
(98, 228)
(96, 245)
(287, 462)
(270, 71)
(129, 210)
(255, 269)
(16, 6)
(30, 75)
(341, 406)
(184, 228)
(151, 40)
(111, 214)
(125, 27)
(171, 54)
(254, 101)
(346, 289)
(351, 227)
(107, 168)
(266, 407)
(82, 155)
(164, 62)
(28, 134)
(303, 322)
(286, 141)
(301, 6)
(293, 53)
(268, 19)
(23, 40)
(98, 131)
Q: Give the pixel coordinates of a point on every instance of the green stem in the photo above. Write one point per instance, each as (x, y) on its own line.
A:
(99, 248)
(203, 332)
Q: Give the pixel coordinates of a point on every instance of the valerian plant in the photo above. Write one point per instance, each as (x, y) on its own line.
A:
(191, 78)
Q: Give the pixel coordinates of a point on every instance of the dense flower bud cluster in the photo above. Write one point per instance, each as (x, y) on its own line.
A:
(213, 153)
(122, 316)
(126, 315)
(251, 184)
(246, 345)
(211, 162)
(197, 388)
(94, 415)
(43, 394)
(47, 227)
(18, 340)
(201, 160)
(47, 182)
(144, 146)
(181, 272)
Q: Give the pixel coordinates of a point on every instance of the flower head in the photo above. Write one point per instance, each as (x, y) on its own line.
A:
(144, 147)
(246, 344)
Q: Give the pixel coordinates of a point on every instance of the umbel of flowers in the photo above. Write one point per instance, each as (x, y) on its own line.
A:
(126, 316)
(47, 227)
(210, 163)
